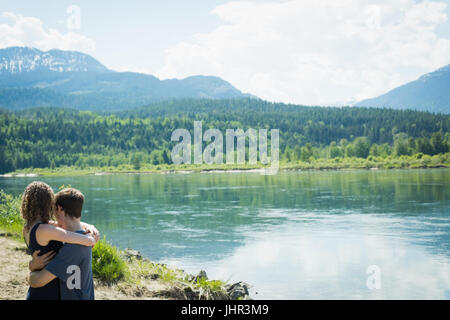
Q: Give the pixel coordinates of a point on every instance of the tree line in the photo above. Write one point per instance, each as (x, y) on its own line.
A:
(53, 137)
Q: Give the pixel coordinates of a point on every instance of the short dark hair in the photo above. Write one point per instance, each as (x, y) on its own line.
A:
(71, 201)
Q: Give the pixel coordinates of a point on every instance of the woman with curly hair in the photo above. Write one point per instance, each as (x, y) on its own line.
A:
(42, 235)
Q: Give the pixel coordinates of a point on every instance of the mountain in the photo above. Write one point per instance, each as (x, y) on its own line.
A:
(16, 60)
(33, 78)
(431, 92)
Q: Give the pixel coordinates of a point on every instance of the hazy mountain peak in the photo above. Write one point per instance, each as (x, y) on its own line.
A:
(15, 60)
(439, 72)
(431, 92)
(32, 78)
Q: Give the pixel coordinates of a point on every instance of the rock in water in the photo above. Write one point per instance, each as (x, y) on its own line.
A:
(130, 253)
(238, 290)
(201, 275)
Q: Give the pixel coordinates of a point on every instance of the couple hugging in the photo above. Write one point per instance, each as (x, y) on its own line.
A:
(61, 267)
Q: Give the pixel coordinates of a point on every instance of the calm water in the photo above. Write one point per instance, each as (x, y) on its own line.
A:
(302, 235)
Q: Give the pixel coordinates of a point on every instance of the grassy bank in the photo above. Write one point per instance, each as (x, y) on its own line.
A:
(126, 270)
(339, 163)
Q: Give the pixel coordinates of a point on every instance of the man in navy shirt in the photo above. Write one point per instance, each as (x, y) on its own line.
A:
(73, 264)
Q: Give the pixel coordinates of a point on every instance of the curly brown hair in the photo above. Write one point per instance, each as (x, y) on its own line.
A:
(38, 202)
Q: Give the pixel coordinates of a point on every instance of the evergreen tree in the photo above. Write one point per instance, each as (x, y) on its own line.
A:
(438, 143)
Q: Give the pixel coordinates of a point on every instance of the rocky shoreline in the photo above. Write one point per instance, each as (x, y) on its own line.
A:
(234, 291)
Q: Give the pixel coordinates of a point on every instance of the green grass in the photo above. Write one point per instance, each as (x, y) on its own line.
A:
(213, 285)
(147, 269)
(107, 265)
(10, 219)
(110, 265)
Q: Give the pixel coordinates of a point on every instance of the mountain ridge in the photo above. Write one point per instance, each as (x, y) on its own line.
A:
(30, 77)
(15, 60)
(430, 92)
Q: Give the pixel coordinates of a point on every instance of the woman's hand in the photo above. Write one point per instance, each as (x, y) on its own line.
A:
(92, 231)
(54, 223)
(39, 262)
(91, 240)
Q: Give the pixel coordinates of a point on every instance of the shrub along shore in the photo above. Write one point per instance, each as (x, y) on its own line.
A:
(416, 161)
(126, 271)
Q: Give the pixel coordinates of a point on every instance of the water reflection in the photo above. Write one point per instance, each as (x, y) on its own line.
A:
(292, 235)
(326, 263)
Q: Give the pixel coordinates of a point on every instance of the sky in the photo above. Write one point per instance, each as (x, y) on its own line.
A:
(312, 52)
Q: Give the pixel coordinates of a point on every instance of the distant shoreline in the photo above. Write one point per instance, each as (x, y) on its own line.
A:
(30, 173)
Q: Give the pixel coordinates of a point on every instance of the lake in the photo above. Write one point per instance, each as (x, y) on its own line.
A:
(294, 235)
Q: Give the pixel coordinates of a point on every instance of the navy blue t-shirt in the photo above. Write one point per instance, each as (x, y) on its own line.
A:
(73, 267)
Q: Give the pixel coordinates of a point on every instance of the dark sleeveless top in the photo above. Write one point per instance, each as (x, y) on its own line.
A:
(51, 290)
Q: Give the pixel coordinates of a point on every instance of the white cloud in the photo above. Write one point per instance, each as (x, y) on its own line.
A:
(29, 31)
(316, 52)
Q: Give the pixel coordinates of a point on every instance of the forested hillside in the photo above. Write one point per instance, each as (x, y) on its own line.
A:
(52, 137)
